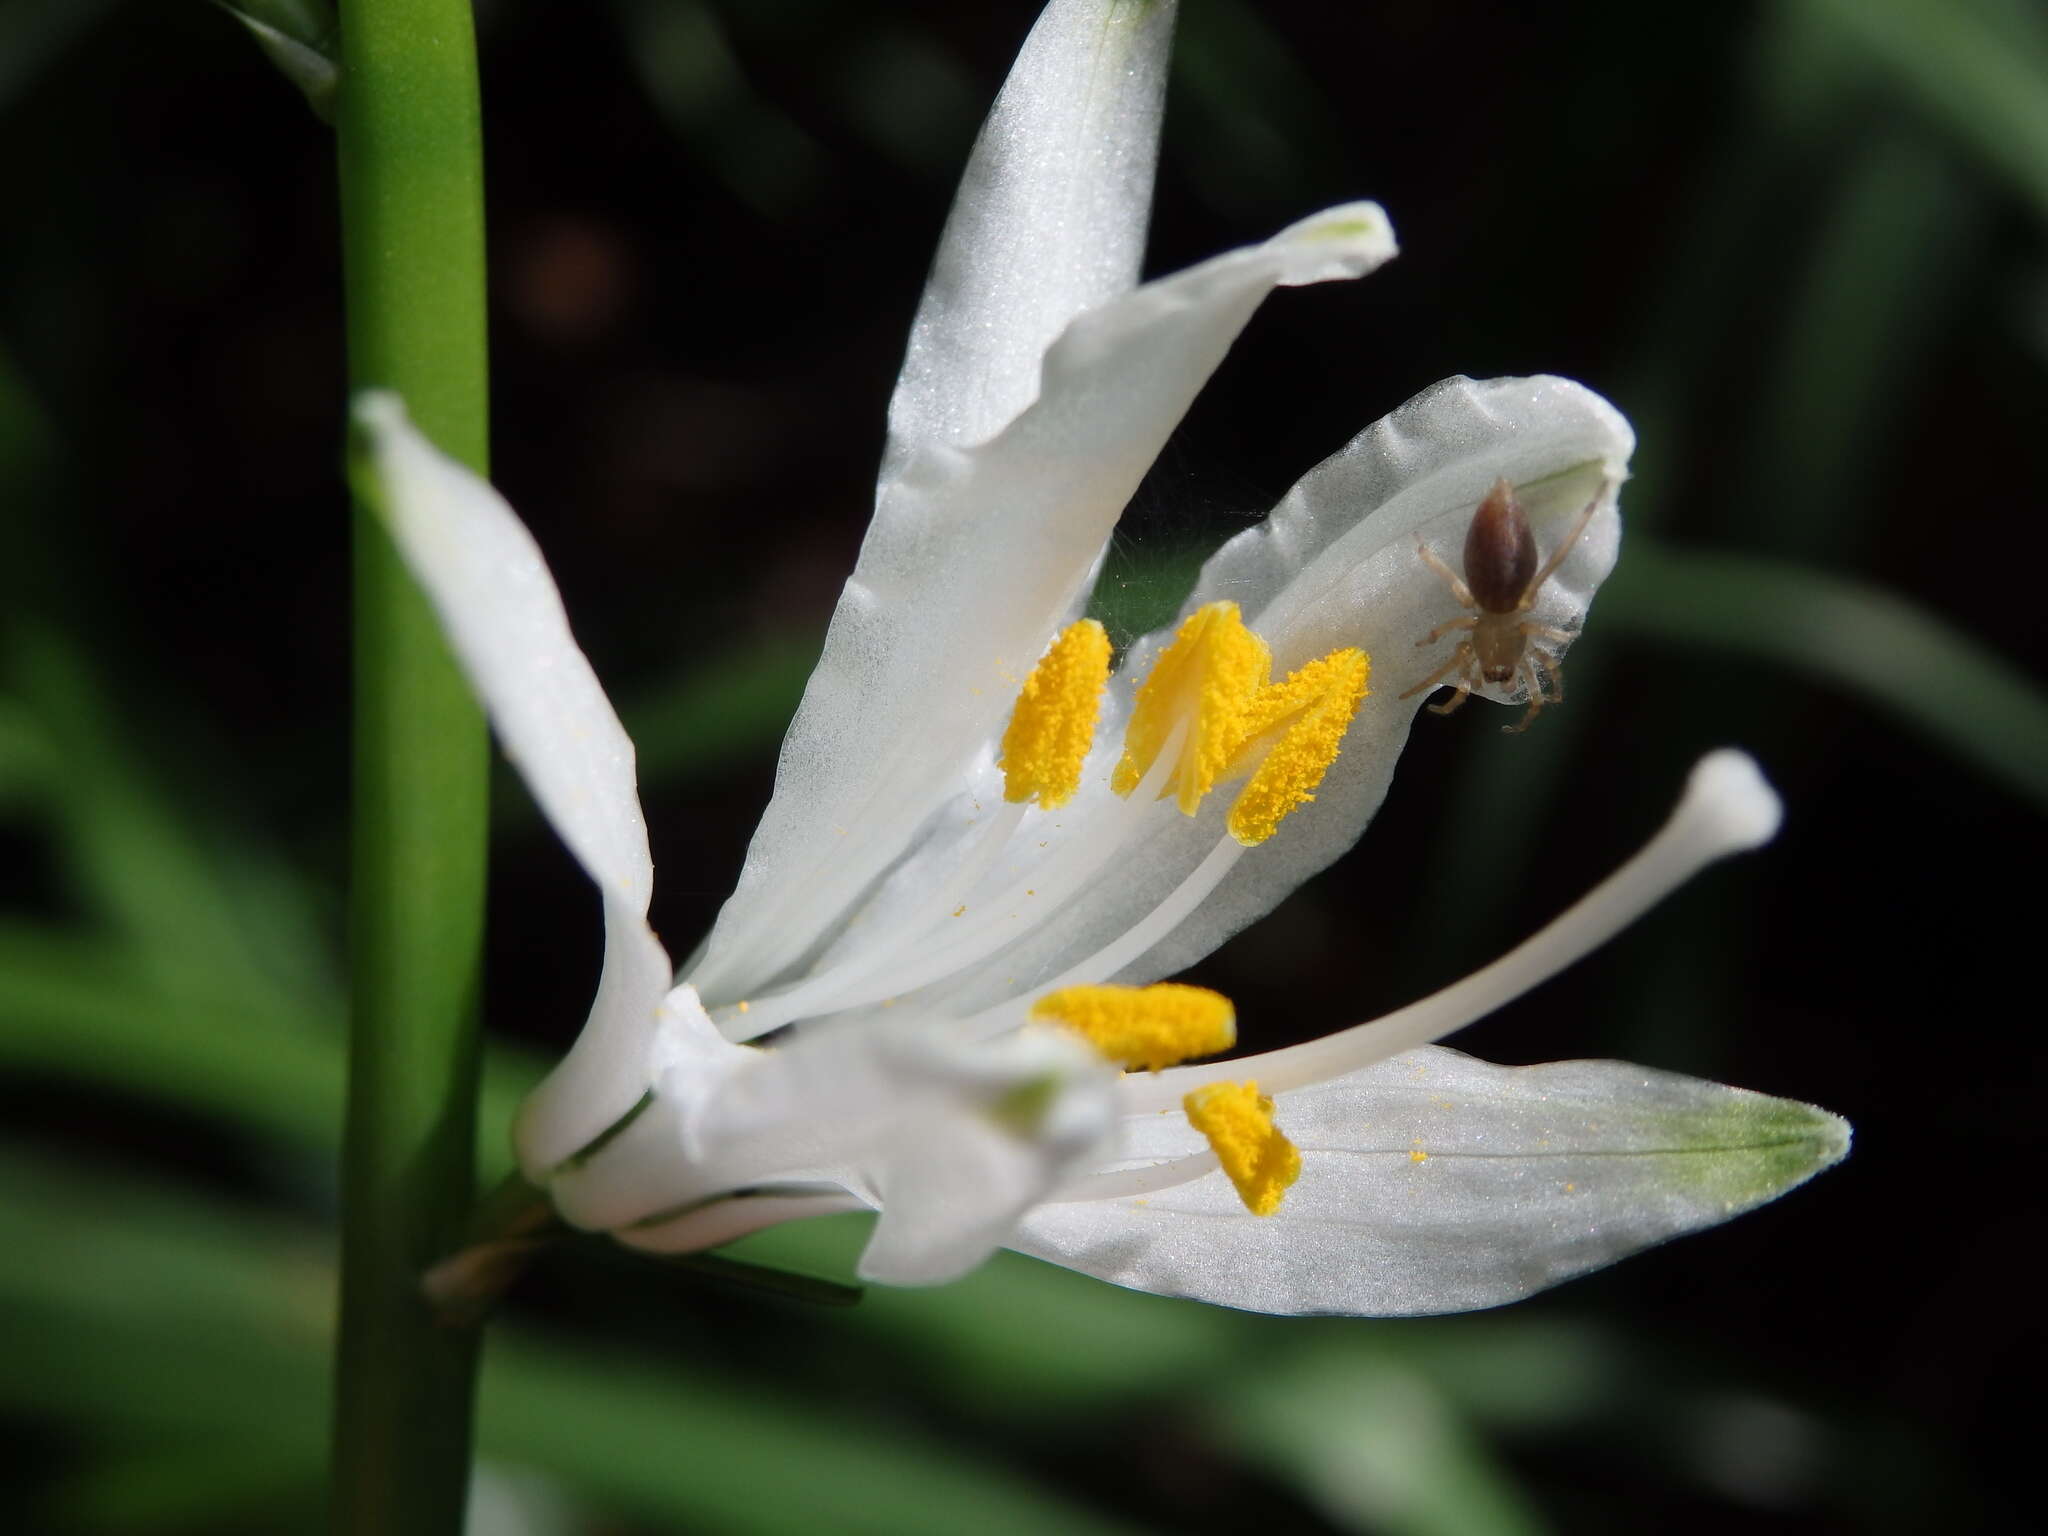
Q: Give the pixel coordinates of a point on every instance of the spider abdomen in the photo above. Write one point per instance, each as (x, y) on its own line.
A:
(1500, 554)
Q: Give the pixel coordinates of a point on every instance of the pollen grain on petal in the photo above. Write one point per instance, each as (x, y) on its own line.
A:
(1238, 1122)
(1304, 720)
(1145, 1028)
(1053, 724)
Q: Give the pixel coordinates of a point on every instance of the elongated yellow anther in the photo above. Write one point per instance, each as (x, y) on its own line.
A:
(1053, 724)
(1212, 671)
(1238, 1121)
(1145, 1028)
(1213, 682)
(1305, 720)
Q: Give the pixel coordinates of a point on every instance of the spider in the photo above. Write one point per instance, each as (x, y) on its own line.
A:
(1500, 583)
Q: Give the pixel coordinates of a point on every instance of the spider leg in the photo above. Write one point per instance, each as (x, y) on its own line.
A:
(1564, 548)
(1459, 590)
(1461, 663)
(1554, 669)
(1464, 692)
(1469, 622)
(1536, 699)
(1545, 632)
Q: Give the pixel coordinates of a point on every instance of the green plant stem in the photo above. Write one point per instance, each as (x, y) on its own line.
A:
(413, 262)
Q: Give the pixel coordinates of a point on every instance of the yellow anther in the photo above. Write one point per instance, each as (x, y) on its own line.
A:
(1214, 667)
(1145, 1027)
(1054, 722)
(1214, 678)
(1238, 1121)
(1304, 722)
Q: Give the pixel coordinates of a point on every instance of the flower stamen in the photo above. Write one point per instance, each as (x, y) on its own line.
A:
(1215, 679)
(1145, 1028)
(954, 943)
(1053, 725)
(1238, 1121)
(1302, 721)
(1209, 676)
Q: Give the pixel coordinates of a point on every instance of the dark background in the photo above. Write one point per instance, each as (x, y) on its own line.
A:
(1799, 243)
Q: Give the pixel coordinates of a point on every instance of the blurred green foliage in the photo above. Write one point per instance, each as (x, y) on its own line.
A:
(1833, 351)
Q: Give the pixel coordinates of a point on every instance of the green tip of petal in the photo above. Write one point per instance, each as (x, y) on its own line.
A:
(1754, 1148)
(373, 415)
(1349, 240)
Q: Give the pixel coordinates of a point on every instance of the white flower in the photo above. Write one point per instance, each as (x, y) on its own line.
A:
(982, 845)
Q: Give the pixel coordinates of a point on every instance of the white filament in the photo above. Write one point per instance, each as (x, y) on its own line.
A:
(946, 945)
(985, 845)
(1127, 946)
(1146, 1179)
(725, 1221)
(1726, 808)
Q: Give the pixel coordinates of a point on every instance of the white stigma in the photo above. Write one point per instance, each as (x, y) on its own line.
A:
(1726, 808)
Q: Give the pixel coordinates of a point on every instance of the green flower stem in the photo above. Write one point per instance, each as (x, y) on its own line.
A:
(413, 262)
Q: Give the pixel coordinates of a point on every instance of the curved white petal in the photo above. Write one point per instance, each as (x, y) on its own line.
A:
(491, 589)
(973, 559)
(1049, 219)
(952, 1143)
(1435, 1182)
(1312, 578)
(726, 1221)
(1336, 565)
(617, 1056)
(952, 1190)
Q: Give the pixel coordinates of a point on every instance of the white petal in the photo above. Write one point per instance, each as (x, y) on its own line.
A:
(1435, 1182)
(1312, 578)
(726, 1221)
(972, 561)
(1336, 565)
(953, 1143)
(503, 617)
(1049, 220)
(952, 1190)
(617, 1057)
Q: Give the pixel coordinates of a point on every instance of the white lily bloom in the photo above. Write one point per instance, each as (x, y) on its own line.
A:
(984, 844)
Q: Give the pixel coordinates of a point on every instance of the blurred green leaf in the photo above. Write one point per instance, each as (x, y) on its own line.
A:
(134, 862)
(179, 1485)
(139, 1309)
(24, 433)
(738, 1456)
(693, 78)
(33, 35)
(726, 713)
(1140, 592)
(735, 1275)
(1887, 652)
(205, 907)
(909, 96)
(302, 39)
(1054, 1339)
(89, 1010)
(27, 760)
(1379, 1447)
(1978, 70)
(1255, 122)
(1897, 246)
